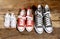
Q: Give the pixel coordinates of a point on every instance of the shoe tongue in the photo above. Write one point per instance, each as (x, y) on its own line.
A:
(39, 6)
(46, 7)
(22, 12)
(29, 11)
(7, 14)
(12, 14)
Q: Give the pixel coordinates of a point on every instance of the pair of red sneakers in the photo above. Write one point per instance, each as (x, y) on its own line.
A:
(25, 20)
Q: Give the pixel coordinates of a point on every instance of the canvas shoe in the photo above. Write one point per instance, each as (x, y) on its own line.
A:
(7, 20)
(39, 20)
(13, 20)
(29, 21)
(22, 20)
(47, 20)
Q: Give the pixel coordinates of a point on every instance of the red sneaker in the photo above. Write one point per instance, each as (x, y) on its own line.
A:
(30, 22)
(21, 20)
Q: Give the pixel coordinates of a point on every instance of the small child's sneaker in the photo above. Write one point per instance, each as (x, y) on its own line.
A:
(13, 20)
(7, 20)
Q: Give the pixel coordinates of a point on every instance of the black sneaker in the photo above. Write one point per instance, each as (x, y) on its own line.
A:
(47, 20)
(39, 20)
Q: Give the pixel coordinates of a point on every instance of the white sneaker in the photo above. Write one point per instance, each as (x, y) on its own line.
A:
(30, 22)
(7, 21)
(13, 20)
(39, 20)
(21, 21)
(47, 20)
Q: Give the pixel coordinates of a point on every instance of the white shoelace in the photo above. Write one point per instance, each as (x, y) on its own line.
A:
(38, 19)
(47, 19)
(7, 21)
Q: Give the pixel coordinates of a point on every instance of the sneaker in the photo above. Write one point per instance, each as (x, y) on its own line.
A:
(47, 20)
(7, 21)
(21, 20)
(30, 22)
(39, 20)
(13, 20)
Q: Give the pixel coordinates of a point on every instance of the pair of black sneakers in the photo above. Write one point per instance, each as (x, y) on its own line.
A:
(43, 20)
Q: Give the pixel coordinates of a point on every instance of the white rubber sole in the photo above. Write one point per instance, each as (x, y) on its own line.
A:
(6, 25)
(21, 29)
(29, 29)
(39, 30)
(49, 29)
(13, 26)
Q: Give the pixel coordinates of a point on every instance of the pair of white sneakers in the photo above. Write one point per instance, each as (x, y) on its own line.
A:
(43, 20)
(10, 21)
(25, 20)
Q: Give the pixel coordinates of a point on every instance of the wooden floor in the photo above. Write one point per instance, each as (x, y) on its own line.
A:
(14, 7)
(14, 34)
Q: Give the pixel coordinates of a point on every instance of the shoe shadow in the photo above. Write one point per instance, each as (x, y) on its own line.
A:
(33, 7)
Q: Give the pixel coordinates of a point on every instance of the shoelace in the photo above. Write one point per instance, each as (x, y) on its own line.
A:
(7, 19)
(39, 19)
(47, 19)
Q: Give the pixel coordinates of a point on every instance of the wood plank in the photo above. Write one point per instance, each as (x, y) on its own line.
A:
(15, 5)
(20, 3)
(14, 34)
(55, 16)
(4, 11)
(56, 24)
